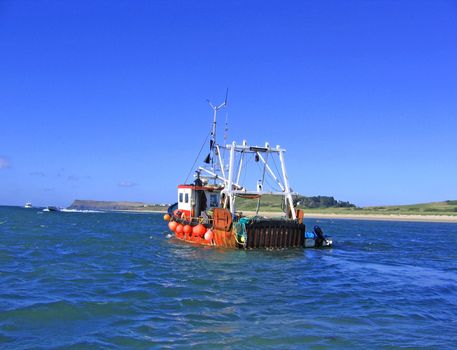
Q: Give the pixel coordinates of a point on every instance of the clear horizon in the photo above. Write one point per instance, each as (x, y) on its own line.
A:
(107, 101)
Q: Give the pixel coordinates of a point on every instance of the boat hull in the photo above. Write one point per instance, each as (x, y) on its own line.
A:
(247, 233)
(274, 234)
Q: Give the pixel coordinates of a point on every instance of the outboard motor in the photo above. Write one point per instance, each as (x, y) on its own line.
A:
(320, 238)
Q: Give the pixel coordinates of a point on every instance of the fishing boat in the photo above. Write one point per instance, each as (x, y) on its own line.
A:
(206, 211)
(28, 205)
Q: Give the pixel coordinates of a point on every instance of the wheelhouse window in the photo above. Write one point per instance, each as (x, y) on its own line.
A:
(213, 200)
(180, 198)
(186, 198)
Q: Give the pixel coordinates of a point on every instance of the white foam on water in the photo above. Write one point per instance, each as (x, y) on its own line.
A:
(80, 211)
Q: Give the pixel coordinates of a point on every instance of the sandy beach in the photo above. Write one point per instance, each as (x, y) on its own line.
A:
(393, 217)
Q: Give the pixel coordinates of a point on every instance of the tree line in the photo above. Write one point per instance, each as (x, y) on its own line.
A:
(321, 202)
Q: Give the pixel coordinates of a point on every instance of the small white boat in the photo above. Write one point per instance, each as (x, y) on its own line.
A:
(28, 205)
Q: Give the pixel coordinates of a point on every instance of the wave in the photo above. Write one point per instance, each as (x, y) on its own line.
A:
(81, 211)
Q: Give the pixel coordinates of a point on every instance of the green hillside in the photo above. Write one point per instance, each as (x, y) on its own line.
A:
(273, 203)
(269, 202)
(448, 207)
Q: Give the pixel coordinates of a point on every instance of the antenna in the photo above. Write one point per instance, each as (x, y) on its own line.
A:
(226, 127)
(215, 109)
(226, 118)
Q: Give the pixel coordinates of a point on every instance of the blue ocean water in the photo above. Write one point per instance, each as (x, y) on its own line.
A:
(115, 281)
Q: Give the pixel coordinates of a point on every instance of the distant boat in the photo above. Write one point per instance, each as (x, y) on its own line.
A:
(28, 205)
(51, 208)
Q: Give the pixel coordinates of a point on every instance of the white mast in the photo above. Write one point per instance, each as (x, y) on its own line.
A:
(288, 195)
(229, 190)
(215, 109)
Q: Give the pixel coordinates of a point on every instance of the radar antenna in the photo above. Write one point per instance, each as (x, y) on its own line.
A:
(215, 109)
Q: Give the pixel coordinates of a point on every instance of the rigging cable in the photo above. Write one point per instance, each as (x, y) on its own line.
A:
(261, 189)
(198, 155)
(245, 171)
(276, 167)
(239, 164)
(225, 129)
(274, 187)
(226, 125)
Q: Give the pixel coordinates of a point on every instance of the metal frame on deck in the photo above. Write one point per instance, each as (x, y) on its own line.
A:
(224, 172)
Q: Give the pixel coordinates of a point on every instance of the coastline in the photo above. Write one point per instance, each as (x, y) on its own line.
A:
(384, 217)
(372, 217)
(425, 212)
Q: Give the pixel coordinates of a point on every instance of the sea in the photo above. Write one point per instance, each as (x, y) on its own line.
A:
(74, 280)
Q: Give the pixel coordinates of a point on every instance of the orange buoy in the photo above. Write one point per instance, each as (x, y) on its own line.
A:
(209, 235)
(187, 229)
(166, 217)
(195, 230)
(199, 230)
(179, 228)
(172, 225)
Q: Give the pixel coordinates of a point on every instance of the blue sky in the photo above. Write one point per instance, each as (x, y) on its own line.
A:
(106, 100)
